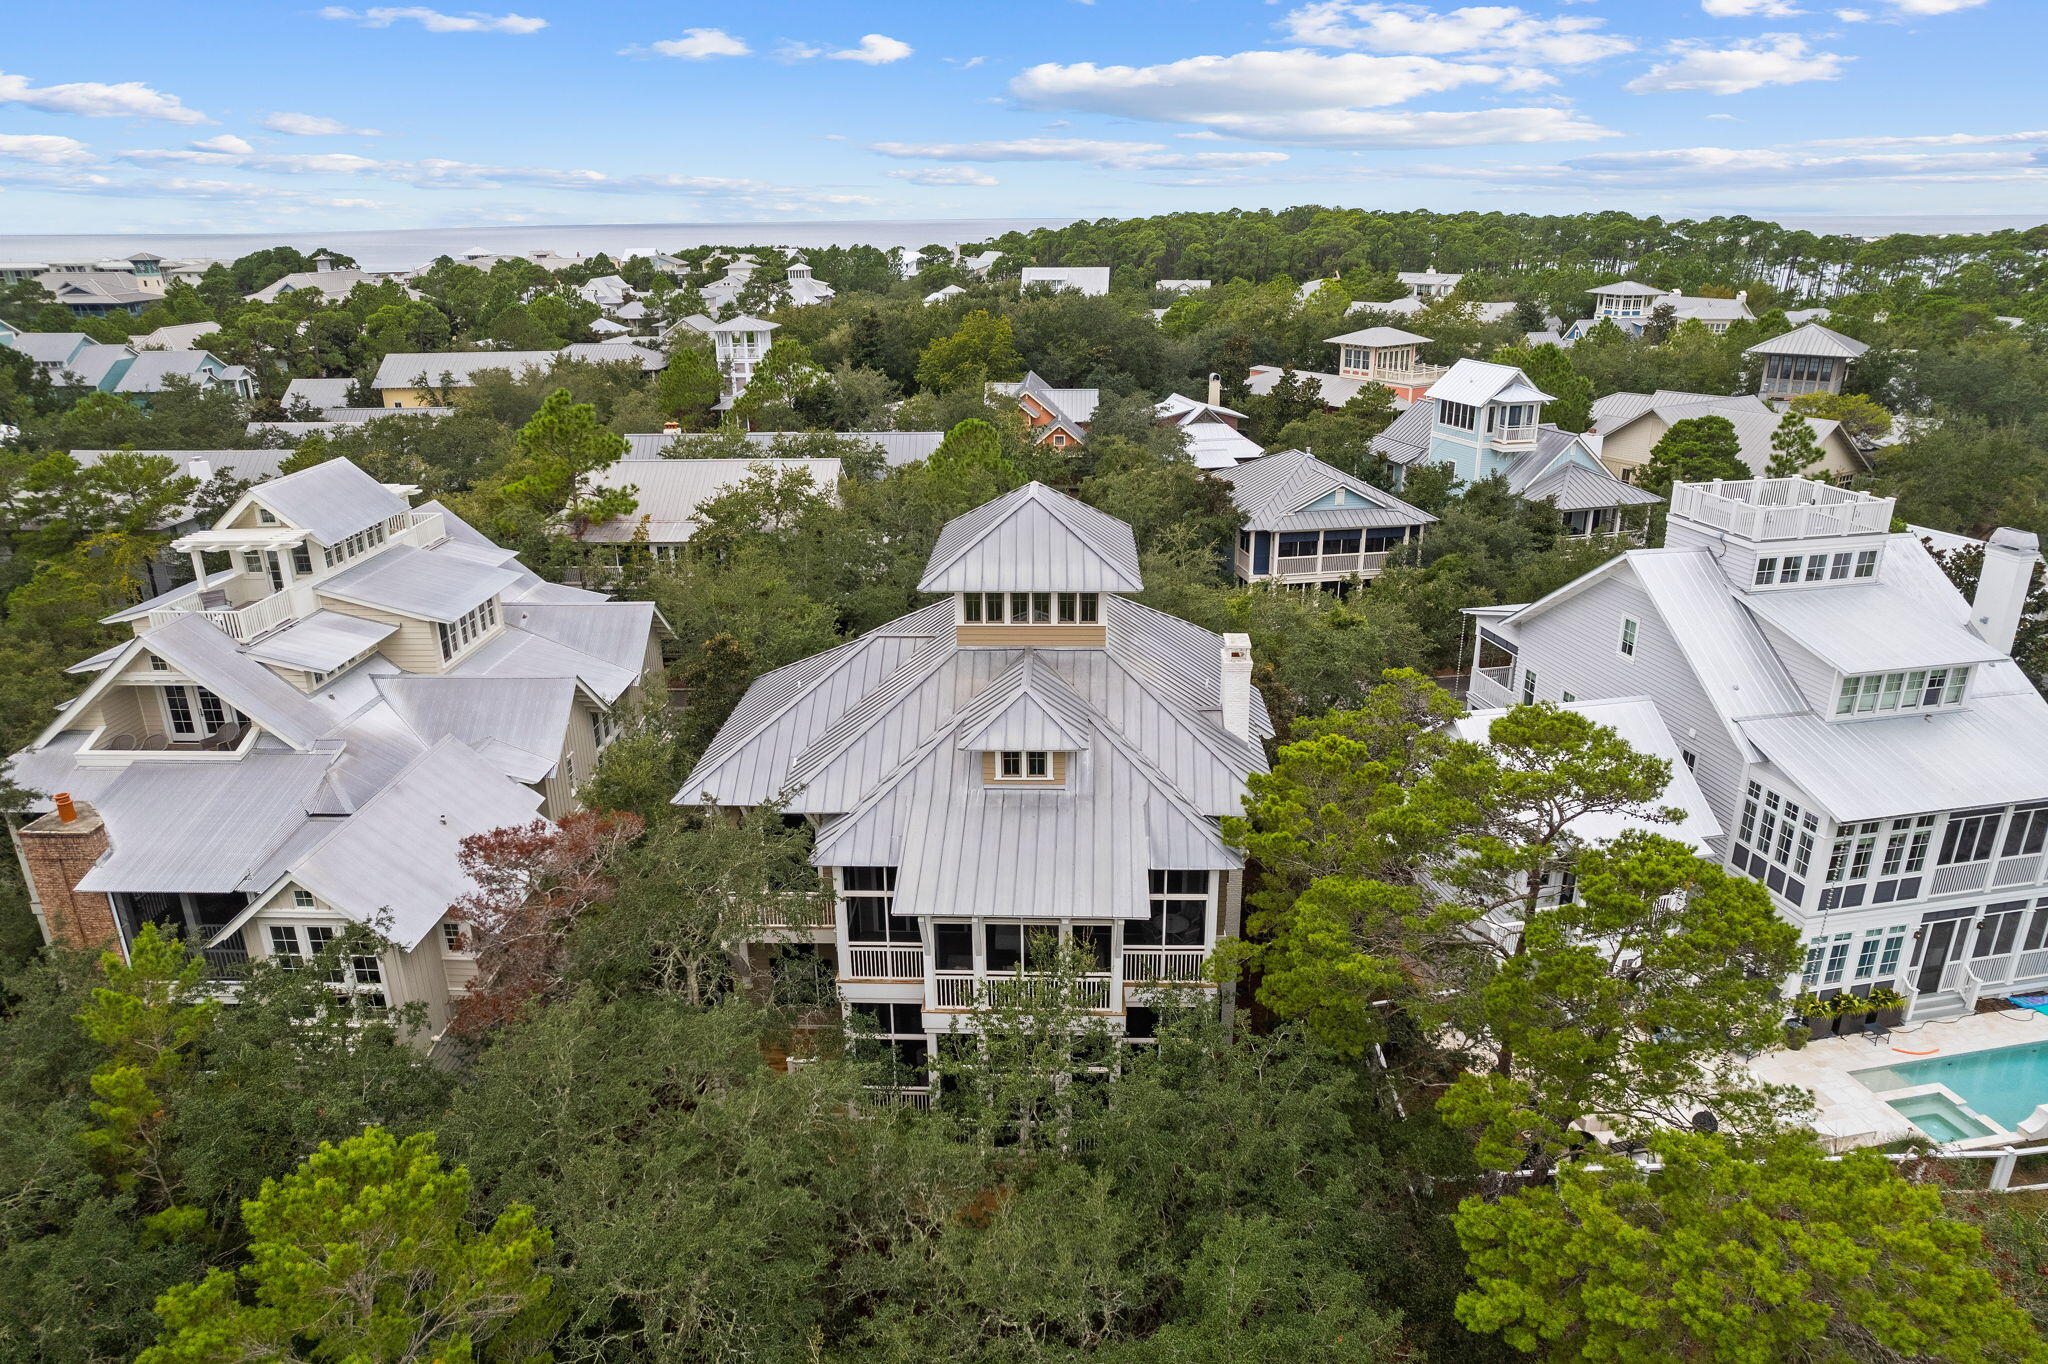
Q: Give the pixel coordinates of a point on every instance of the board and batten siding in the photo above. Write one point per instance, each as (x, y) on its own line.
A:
(1032, 636)
(1574, 647)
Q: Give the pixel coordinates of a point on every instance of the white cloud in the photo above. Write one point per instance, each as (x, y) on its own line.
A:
(1203, 161)
(1854, 16)
(1017, 149)
(226, 142)
(874, 49)
(1930, 7)
(1749, 9)
(92, 99)
(697, 44)
(1795, 164)
(945, 175)
(1499, 32)
(1209, 89)
(434, 21)
(1773, 59)
(313, 125)
(1932, 140)
(44, 149)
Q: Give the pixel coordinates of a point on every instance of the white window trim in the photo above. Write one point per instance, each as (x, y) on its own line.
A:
(1630, 636)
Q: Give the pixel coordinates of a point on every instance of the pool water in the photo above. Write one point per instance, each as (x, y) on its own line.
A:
(1939, 1118)
(2005, 1084)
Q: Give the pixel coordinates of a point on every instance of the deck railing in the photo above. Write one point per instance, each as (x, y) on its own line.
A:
(1171, 964)
(885, 963)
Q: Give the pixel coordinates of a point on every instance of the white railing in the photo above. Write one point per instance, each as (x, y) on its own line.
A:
(1966, 876)
(1489, 687)
(2017, 871)
(1330, 565)
(241, 623)
(1514, 435)
(1972, 989)
(1781, 508)
(1163, 964)
(1091, 992)
(885, 963)
(953, 990)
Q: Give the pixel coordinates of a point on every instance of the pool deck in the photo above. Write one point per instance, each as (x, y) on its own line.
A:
(1847, 1114)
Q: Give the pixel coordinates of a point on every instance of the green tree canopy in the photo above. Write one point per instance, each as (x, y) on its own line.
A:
(1694, 450)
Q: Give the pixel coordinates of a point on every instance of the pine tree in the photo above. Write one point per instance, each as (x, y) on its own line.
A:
(1794, 449)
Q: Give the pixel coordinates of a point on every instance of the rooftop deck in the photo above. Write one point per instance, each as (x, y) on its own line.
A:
(1781, 508)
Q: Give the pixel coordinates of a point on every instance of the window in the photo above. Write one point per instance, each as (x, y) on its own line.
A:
(1628, 639)
(1779, 830)
(604, 727)
(1029, 608)
(895, 1037)
(1969, 836)
(1905, 847)
(1178, 911)
(158, 664)
(1999, 927)
(178, 705)
(1091, 947)
(1776, 571)
(1026, 765)
(1826, 961)
(284, 946)
(1459, 416)
(302, 899)
(451, 936)
(1866, 563)
(1299, 544)
(1005, 947)
(1920, 689)
(1341, 541)
(473, 625)
(1692, 760)
(302, 559)
(953, 947)
(2027, 832)
(1528, 686)
(869, 894)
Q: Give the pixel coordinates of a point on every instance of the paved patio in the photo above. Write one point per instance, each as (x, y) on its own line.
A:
(1848, 1113)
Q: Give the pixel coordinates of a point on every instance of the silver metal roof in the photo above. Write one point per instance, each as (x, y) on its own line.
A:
(669, 492)
(333, 500)
(1481, 381)
(517, 723)
(1274, 491)
(458, 369)
(1377, 336)
(415, 582)
(1912, 616)
(200, 827)
(1034, 539)
(197, 648)
(604, 644)
(323, 640)
(318, 392)
(898, 447)
(1027, 708)
(399, 855)
(1811, 339)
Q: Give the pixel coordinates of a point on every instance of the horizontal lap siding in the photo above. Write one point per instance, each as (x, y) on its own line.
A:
(1572, 646)
(1032, 636)
(417, 645)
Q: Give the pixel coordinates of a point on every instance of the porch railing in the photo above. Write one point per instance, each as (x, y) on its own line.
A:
(1174, 964)
(885, 963)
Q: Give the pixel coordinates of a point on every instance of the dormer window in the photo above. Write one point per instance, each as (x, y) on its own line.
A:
(1920, 689)
(264, 516)
(457, 635)
(1458, 416)
(1025, 767)
(1784, 570)
(1030, 608)
(1035, 764)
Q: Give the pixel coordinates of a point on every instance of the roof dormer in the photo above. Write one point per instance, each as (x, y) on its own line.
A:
(1028, 726)
(1031, 568)
(1778, 534)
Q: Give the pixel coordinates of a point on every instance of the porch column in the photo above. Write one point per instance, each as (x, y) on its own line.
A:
(198, 566)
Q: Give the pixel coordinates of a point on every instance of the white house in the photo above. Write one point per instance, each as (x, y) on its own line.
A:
(1858, 728)
(1808, 359)
(1080, 279)
(1427, 283)
(1630, 306)
(300, 741)
(1031, 758)
(668, 492)
(1386, 356)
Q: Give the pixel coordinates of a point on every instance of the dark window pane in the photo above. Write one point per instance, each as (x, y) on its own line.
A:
(1141, 1022)
(1147, 932)
(1005, 947)
(1092, 940)
(866, 918)
(1041, 947)
(906, 1018)
(953, 947)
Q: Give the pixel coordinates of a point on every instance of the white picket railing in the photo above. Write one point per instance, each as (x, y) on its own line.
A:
(885, 963)
(953, 990)
(1142, 964)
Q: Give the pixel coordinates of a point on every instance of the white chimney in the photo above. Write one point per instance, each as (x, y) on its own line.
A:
(201, 469)
(1237, 685)
(1742, 295)
(1215, 389)
(2010, 557)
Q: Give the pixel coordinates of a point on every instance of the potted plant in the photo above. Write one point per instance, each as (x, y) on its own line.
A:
(1888, 1007)
(1816, 1013)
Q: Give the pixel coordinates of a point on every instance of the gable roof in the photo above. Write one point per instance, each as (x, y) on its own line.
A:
(1034, 539)
(1274, 493)
(1627, 286)
(418, 583)
(516, 723)
(669, 492)
(1549, 472)
(202, 828)
(332, 500)
(1026, 708)
(196, 647)
(1473, 382)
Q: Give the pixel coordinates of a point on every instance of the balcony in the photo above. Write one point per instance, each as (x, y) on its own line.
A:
(1305, 567)
(1490, 688)
(1781, 508)
(1164, 965)
(884, 963)
(965, 990)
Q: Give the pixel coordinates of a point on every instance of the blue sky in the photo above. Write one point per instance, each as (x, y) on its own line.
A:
(245, 117)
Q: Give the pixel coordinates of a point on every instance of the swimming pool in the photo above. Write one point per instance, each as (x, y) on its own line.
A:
(1939, 1117)
(2005, 1084)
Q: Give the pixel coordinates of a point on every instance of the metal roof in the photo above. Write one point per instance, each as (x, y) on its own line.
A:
(1481, 381)
(1273, 492)
(1215, 446)
(517, 723)
(1377, 336)
(318, 392)
(320, 642)
(151, 367)
(898, 447)
(1028, 708)
(333, 500)
(604, 643)
(200, 827)
(197, 648)
(1088, 279)
(415, 582)
(400, 854)
(669, 492)
(1034, 539)
(1912, 616)
(1811, 339)
(1628, 287)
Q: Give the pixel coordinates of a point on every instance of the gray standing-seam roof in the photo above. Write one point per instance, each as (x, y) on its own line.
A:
(898, 447)
(318, 392)
(517, 723)
(196, 647)
(321, 642)
(415, 582)
(1811, 339)
(1273, 491)
(1376, 337)
(202, 828)
(669, 492)
(333, 500)
(399, 855)
(1481, 381)
(152, 367)
(1912, 618)
(1034, 539)
(1574, 487)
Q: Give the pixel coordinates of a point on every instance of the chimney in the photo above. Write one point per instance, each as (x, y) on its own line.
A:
(1237, 685)
(2010, 557)
(57, 851)
(323, 262)
(1742, 295)
(1215, 389)
(201, 469)
(67, 811)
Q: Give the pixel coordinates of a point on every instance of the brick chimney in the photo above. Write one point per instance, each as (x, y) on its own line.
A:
(2010, 558)
(58, 850)
(1236, 691)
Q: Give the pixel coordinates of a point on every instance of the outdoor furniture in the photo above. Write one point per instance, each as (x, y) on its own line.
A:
(155, 743)
(121, 741)
(213, 598)
(224, 737)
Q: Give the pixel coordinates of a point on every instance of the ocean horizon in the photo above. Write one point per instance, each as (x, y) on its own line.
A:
(407, 248)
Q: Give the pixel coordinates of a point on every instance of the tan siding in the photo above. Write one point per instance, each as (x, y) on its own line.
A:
(1032, 636)
(405, 397)
(579, 746)
(417, 645)
(990, 776)
(121, 710)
